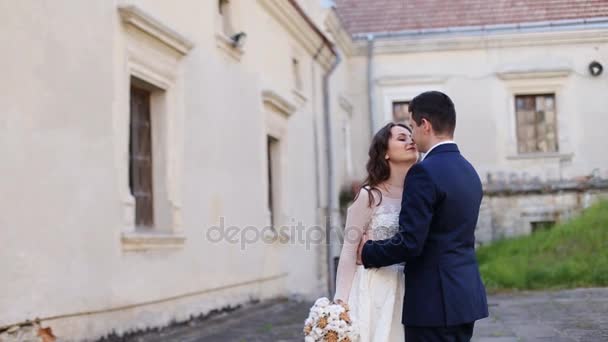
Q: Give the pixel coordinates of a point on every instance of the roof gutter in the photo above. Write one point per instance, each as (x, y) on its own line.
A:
(314, 27)
(531, 27)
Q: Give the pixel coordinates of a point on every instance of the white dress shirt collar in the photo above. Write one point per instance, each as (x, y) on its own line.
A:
(437, 144)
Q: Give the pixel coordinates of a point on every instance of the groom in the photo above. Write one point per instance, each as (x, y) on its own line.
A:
(444, 295)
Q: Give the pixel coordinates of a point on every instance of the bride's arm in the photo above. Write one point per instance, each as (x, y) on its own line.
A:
(358, 216)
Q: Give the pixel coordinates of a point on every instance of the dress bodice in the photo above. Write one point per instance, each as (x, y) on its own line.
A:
(384, 222)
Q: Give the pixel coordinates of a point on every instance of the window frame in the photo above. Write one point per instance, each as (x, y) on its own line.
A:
(531, 83)
(151, 53)
(517, 124)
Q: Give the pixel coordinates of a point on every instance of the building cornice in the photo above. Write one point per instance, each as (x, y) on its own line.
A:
(295, 21)
(447, 42)
(342, 38)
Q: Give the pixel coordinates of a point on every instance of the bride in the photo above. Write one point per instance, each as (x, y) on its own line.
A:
(375, 295)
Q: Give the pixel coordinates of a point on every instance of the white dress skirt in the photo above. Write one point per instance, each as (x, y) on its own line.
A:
(376, 295)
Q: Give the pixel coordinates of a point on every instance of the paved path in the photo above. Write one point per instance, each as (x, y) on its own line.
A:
(573, 315)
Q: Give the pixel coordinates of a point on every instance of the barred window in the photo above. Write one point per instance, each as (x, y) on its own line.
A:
(536, 123)
(140, 157)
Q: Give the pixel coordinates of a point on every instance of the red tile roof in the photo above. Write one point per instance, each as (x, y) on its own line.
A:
(373, 16)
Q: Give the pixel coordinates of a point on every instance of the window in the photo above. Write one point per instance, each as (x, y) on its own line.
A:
(140, 157)
(401, 112)
(297, 74)
(225, 17)
(536, 123)
(277, 112)
(150, 167)
(541, 225)
(272, 164)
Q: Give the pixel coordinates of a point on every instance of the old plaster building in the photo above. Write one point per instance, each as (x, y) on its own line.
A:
(136, 133)
(160, 158)
(529, 87)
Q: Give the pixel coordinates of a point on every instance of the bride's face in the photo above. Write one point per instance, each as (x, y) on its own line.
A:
(401, 147)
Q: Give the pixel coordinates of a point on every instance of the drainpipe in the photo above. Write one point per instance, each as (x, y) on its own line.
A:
(370, 84)
(314, 126)
(331, 191)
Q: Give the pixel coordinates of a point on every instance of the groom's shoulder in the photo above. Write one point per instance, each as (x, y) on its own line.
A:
(423, 168)
(439, 163)
(448, 165)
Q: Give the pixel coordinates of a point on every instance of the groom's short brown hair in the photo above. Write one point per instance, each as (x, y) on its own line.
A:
(437, 108)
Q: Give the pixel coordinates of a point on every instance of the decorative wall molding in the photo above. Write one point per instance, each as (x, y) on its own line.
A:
(549, 81)
(281, 104)
(153, 54)
(399, 80)
(141, 20)
(137, 241)
(542, 155)
(533, 74)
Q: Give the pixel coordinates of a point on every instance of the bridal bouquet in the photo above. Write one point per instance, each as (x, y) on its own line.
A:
(329, 321)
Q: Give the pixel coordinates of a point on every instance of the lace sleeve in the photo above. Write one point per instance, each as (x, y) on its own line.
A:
(358, 217)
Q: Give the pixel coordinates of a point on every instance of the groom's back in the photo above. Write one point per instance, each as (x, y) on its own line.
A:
(460, 190)
(445, 278)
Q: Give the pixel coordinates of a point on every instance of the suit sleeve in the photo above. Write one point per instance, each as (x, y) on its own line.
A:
(419, 199)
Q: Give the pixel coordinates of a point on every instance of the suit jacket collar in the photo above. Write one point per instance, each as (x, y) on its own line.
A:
(451, 147)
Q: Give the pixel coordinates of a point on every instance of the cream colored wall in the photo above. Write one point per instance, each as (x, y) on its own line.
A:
(358, 90)
(64, 100)
(484, 101)
(61, 212)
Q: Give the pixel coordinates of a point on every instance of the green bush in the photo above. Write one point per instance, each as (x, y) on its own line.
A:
(572, 254)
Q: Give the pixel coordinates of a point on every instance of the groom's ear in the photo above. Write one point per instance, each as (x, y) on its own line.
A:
(426, 125)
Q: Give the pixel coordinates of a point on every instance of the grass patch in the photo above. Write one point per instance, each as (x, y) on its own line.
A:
(569, 255)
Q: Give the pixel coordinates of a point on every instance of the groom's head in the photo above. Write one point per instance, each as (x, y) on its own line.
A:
(433, 119)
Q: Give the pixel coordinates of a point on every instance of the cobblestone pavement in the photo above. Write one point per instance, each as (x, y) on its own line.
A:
(572, 315)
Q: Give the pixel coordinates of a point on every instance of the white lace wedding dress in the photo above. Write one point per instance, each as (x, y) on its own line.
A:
(374, 295)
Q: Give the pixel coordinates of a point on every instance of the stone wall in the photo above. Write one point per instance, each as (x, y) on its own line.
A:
(514, 209)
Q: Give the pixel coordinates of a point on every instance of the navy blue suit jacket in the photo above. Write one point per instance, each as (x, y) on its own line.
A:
(436, 239)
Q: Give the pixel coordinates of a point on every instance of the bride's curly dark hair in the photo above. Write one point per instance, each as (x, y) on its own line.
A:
(378, 169)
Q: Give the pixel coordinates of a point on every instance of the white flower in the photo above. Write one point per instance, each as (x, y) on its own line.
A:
(325, 309)
(323, 301)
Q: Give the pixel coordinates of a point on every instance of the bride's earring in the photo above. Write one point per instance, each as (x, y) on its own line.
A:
(386, 157)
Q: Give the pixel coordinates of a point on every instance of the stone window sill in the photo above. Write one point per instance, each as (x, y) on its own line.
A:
(561, 156)
(225, 44)
(142, 241)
